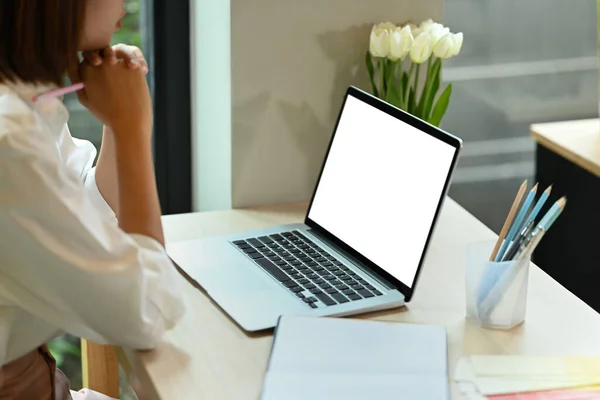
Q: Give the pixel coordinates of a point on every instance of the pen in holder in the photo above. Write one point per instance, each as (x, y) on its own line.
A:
(496, 292)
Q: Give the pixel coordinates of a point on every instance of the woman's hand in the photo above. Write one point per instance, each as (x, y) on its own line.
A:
(117, 95)
(131, 55)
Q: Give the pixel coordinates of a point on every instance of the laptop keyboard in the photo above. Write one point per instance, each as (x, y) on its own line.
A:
(306, 270)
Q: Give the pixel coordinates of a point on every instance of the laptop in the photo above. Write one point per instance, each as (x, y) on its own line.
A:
(365, 235)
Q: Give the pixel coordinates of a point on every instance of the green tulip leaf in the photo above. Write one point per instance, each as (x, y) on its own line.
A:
(403, 84)
(441, 106)
(392, 97)
(390, 74)
(382, 88)
(430, 89)
(412, 102)
(408, 87)
(399, 78)
(369, 63)
(435, 86)
(415, 111)
(393, 90)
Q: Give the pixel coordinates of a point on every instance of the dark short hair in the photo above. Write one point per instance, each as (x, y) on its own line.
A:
(39, 39)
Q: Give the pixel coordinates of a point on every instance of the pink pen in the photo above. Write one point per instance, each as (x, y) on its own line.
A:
(59, 92)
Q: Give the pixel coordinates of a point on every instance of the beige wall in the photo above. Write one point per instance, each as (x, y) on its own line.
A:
(291, 62)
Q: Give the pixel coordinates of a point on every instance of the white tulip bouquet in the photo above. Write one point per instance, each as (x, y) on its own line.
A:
(397, 81)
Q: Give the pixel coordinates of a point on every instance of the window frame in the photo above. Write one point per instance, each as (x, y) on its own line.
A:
(167, 43)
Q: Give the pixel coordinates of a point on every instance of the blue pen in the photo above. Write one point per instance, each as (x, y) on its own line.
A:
(538, 205)
(546, 222)
(517, 224)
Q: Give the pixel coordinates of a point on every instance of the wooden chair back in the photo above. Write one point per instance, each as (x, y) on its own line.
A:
(100, 368)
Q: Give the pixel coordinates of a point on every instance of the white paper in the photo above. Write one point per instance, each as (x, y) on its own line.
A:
(321, 386)
(331, 358)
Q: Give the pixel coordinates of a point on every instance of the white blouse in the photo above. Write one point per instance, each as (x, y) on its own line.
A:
(65, 265)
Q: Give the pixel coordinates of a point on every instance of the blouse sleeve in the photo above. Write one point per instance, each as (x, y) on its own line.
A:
(67, 263)
(78, 155)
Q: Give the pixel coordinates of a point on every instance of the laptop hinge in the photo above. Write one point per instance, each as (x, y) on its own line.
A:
(352, 259)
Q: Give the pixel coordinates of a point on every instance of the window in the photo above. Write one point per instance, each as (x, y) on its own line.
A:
(522, 62)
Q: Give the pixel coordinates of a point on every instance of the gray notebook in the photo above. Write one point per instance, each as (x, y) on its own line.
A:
(340, 358)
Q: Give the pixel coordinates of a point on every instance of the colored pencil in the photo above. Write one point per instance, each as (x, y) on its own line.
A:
(509, 219)
(517, 224)
(538, 206)
(554, 212)
(545, 225)
(59, 92)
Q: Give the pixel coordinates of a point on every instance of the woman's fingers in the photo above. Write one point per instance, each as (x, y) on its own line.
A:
(109, 56)
(92, 57)
(133, 56)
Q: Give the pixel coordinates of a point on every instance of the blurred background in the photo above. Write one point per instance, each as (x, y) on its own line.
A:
(523, 62)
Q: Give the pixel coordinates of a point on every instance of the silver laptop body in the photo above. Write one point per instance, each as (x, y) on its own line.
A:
(365, 235)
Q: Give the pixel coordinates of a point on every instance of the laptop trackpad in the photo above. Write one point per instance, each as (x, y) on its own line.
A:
(216, 266)
(247, 298)
(233, 280)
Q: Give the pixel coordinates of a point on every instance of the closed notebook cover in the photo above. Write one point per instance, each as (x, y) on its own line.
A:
(342, 358)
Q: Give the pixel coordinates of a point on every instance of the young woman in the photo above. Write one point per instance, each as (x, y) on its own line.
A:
(81, 247)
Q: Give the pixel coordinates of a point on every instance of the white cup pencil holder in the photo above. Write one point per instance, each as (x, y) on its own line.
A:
(496, 292)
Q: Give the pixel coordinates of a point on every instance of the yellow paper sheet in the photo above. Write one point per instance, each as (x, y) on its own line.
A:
(538, 366)
(494, 375)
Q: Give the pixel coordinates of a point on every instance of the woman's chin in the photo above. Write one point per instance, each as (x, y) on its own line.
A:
(93, 48)
(95, 44)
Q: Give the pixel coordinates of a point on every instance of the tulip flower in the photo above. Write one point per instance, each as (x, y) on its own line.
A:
(414, 29)
(380, 39)
(428, 43)
(421, 49)
(458, 42)
(387, 25)
(448, 46)
(429, 25)
(436, 33)
(401, 41)
(444, 47)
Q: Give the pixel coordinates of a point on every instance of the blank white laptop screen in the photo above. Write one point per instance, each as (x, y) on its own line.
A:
(381, 186)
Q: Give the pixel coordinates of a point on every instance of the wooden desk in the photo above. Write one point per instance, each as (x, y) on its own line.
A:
(575, 141)
(208, 357)
(568, 157)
